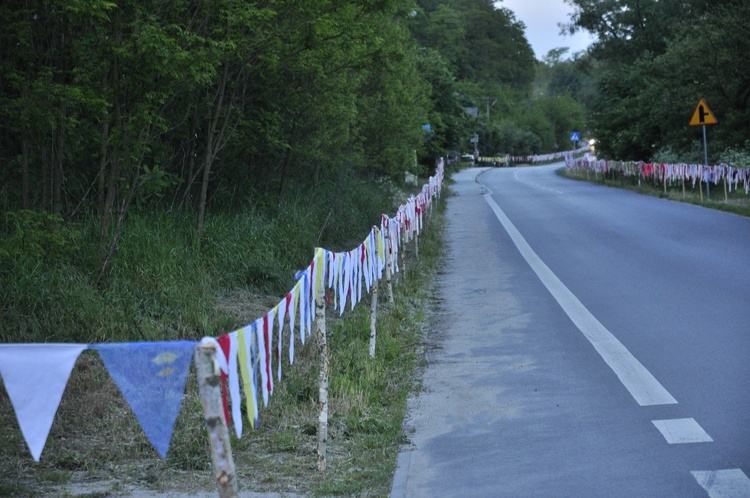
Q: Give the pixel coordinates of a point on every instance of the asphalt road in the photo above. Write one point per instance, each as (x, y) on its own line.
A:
(589, 342)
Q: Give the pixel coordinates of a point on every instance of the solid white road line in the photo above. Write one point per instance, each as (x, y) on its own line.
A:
(729, 483)
(682, 430)
(635, 377)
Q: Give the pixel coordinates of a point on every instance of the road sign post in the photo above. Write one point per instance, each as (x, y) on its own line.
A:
(703, 116)
(575, 137)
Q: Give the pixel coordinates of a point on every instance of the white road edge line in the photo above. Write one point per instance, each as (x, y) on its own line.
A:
(729, 483)
(634, 376)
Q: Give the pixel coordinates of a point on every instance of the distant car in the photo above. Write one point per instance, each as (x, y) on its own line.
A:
(467, 157)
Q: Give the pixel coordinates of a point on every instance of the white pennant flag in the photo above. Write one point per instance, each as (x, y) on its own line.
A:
(283, 308)
(292, 313)
(35, 376)
(234, 384)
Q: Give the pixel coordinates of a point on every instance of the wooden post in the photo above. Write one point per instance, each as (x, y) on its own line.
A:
(726, 196)
(209, 386)
(374, 305)
(388, 263)
(402, 253)
(320, 328)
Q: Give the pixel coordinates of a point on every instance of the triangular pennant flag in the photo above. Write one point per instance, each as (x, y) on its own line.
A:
(35, 376)
(244, 357)
(268, 326)
(342, 282)
(260, 335)
(222, 353)
(234, 384)
(283, 307)
(222, 356)
(304, 305)
(331, 269)
(151, 376)
(360, 270)
(292, 313)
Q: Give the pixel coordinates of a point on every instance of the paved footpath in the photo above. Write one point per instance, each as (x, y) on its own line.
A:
(451, 422)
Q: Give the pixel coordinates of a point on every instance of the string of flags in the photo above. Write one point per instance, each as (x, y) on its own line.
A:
(151, 375)
(735, 177)
(544, 158)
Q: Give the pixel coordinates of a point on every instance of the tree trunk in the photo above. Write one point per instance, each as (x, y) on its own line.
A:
(114, 239)
(101, 178)
(114, 168)
(25, 194)
(58, 162)
(186, 195)
(45, 177)
(211, 146)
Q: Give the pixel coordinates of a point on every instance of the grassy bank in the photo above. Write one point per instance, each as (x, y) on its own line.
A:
(736, 202)
(164, 287)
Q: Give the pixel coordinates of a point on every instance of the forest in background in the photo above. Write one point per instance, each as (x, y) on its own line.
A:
(652, 62)
(155, 153)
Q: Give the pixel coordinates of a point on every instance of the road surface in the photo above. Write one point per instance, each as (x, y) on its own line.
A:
(589, 342)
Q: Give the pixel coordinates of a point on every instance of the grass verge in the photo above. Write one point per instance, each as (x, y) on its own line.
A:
(96, 439)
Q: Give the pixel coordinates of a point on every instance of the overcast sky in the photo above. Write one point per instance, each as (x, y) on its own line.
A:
(541, 18)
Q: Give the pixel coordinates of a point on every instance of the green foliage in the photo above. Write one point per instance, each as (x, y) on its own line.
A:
(653, 61)
(737, 157)
(36, 235)
(475, 55)
(671, 155)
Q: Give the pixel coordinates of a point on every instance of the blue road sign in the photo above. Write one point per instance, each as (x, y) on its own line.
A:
(575, 136)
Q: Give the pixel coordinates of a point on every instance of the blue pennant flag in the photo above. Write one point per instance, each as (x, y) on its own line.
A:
(151, 377)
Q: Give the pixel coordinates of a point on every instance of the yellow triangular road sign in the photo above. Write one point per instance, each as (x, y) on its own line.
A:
(703, 115)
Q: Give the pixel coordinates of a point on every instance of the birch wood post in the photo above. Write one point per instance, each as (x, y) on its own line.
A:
(388, 259)
(373, 317)
(726, 196)
(209, 386)
(374, 305)
(402, 253)
(320, 329)
(683, 186)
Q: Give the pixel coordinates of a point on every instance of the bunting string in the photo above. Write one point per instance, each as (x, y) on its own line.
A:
(152, 376)
(692, 173)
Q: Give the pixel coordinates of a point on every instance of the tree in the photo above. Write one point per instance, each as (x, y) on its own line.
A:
(653, 61)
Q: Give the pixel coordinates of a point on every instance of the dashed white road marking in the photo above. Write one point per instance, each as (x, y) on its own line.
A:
(729, 483)
(682, 430)
(634, 376)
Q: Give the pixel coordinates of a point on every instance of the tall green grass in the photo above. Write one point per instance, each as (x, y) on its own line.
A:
(164, 282)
